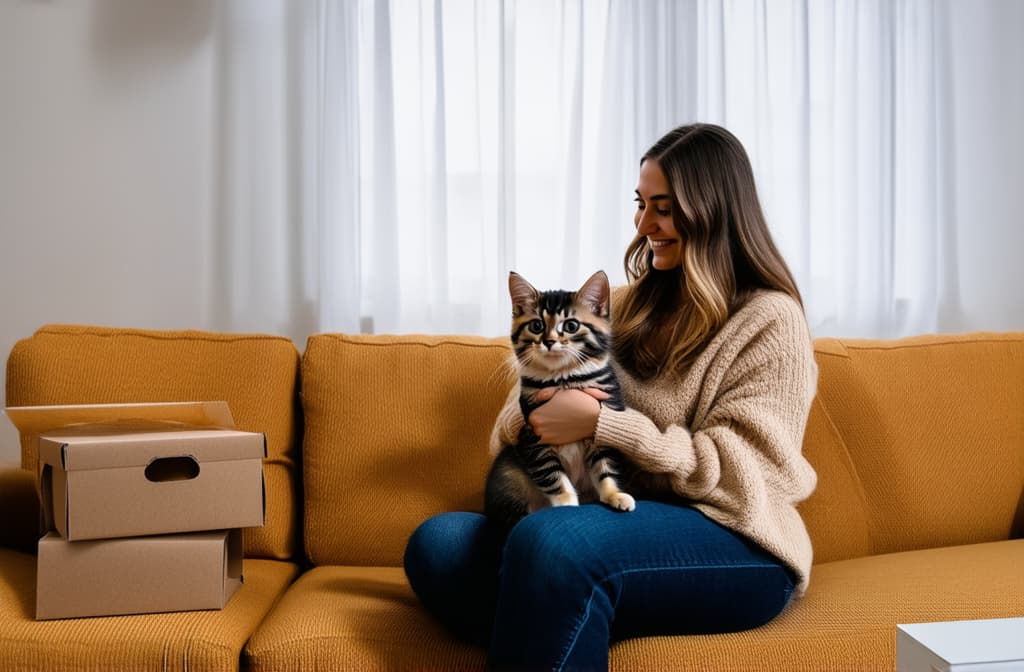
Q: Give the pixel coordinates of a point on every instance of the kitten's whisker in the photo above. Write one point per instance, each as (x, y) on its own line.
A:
(508, 371)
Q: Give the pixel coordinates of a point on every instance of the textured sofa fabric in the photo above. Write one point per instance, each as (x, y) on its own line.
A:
(355, 618)
(192, 640)
(257, 375)
(918, 514)
(396, 430)
(903, 435)
(932, 429)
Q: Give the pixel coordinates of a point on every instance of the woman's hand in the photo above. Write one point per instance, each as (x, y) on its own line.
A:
(566, 415)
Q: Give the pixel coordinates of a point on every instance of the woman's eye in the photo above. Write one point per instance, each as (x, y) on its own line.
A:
(571, 326)
(536, 327)
(663, 213)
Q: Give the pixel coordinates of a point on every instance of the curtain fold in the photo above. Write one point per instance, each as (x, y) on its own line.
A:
(385, 163)
(287, 256)
(836, 103)
(331, 157)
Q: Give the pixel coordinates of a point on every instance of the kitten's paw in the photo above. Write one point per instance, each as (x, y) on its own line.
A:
(565, 499)
(621, 501)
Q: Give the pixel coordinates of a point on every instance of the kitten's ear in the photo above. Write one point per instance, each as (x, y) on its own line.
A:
(596, 293)
(522, 293)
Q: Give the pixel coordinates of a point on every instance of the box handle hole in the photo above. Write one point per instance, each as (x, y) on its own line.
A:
(172, 469)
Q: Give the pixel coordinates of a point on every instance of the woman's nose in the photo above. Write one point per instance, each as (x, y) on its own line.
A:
(644, 223)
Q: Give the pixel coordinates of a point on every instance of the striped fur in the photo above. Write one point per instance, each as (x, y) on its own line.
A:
(560, 339)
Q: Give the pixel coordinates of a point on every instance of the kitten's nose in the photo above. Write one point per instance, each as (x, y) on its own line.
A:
(549, 342)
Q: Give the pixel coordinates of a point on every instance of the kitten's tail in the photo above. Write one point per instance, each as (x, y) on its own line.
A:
(504, 500)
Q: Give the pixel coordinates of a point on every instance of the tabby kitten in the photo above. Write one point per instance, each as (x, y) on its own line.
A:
(561, 339)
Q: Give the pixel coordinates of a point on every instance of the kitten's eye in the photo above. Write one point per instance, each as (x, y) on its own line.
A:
(536, 327)
(571, 326)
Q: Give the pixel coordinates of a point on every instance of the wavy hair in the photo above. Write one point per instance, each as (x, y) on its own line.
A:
(665, 318)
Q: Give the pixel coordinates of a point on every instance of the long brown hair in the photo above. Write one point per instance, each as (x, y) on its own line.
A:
(665, 318)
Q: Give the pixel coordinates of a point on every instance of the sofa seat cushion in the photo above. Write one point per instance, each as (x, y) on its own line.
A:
(355, 618)
(194, 640)
(847, 620)
(368, 618)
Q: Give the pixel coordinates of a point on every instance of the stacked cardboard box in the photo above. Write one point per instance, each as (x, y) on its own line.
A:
(142, 506)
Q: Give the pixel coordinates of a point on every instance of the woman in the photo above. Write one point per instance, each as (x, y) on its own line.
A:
(717, 369)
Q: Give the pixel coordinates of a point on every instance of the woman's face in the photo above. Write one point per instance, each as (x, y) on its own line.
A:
(653, 217)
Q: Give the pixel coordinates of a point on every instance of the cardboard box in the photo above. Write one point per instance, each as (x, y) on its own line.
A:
(138, 575)
(123, 470)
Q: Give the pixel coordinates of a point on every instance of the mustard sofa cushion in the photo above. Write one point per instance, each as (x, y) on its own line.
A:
(917, 442)
(835, 514)
(367, 618)
(847, 620)
(396, 430)
(355, 618)
(194, 640)
(257, 375)
(932, 428)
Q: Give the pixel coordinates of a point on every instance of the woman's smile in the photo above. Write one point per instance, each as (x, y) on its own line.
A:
(654, 218)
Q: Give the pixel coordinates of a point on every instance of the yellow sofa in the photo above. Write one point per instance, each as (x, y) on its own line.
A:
(918, 514)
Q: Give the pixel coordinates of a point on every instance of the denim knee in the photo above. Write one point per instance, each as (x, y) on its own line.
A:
(544, 546)
(433, 546)
(451, 562)
(555, 605)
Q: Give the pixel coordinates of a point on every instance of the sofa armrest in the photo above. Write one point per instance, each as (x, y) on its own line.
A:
(19, 522)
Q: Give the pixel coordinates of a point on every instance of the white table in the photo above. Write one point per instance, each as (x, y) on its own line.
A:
(995, 645)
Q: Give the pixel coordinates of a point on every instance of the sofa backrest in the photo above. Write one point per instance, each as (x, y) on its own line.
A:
(257, 375)
(396, 430)
(918, 443)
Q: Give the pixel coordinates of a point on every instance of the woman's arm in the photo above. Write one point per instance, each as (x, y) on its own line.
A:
(748, 432)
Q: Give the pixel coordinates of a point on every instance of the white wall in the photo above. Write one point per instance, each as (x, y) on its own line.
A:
(108, 165)
(988, 78)
(105, 166)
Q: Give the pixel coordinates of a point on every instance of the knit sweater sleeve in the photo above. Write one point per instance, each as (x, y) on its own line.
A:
(743, 445)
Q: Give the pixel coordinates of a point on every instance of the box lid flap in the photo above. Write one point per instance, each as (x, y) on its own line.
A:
(36, 420)
(83, 450)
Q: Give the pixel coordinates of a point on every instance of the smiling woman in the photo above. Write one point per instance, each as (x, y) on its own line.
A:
(708, 392)
(654, 217)
(702, 248)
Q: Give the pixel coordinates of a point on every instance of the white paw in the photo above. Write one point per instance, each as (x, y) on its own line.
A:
(565, 499)
(621, 501)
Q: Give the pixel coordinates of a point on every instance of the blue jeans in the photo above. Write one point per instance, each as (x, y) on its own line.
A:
(553, 592)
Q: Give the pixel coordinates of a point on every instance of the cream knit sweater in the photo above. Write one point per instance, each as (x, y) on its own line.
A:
(727, 434)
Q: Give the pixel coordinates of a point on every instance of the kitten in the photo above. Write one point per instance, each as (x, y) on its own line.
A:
(561, 339)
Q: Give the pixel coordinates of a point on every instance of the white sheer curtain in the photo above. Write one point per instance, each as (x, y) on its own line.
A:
(481, 140)
(384, 164)
(844, 108)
